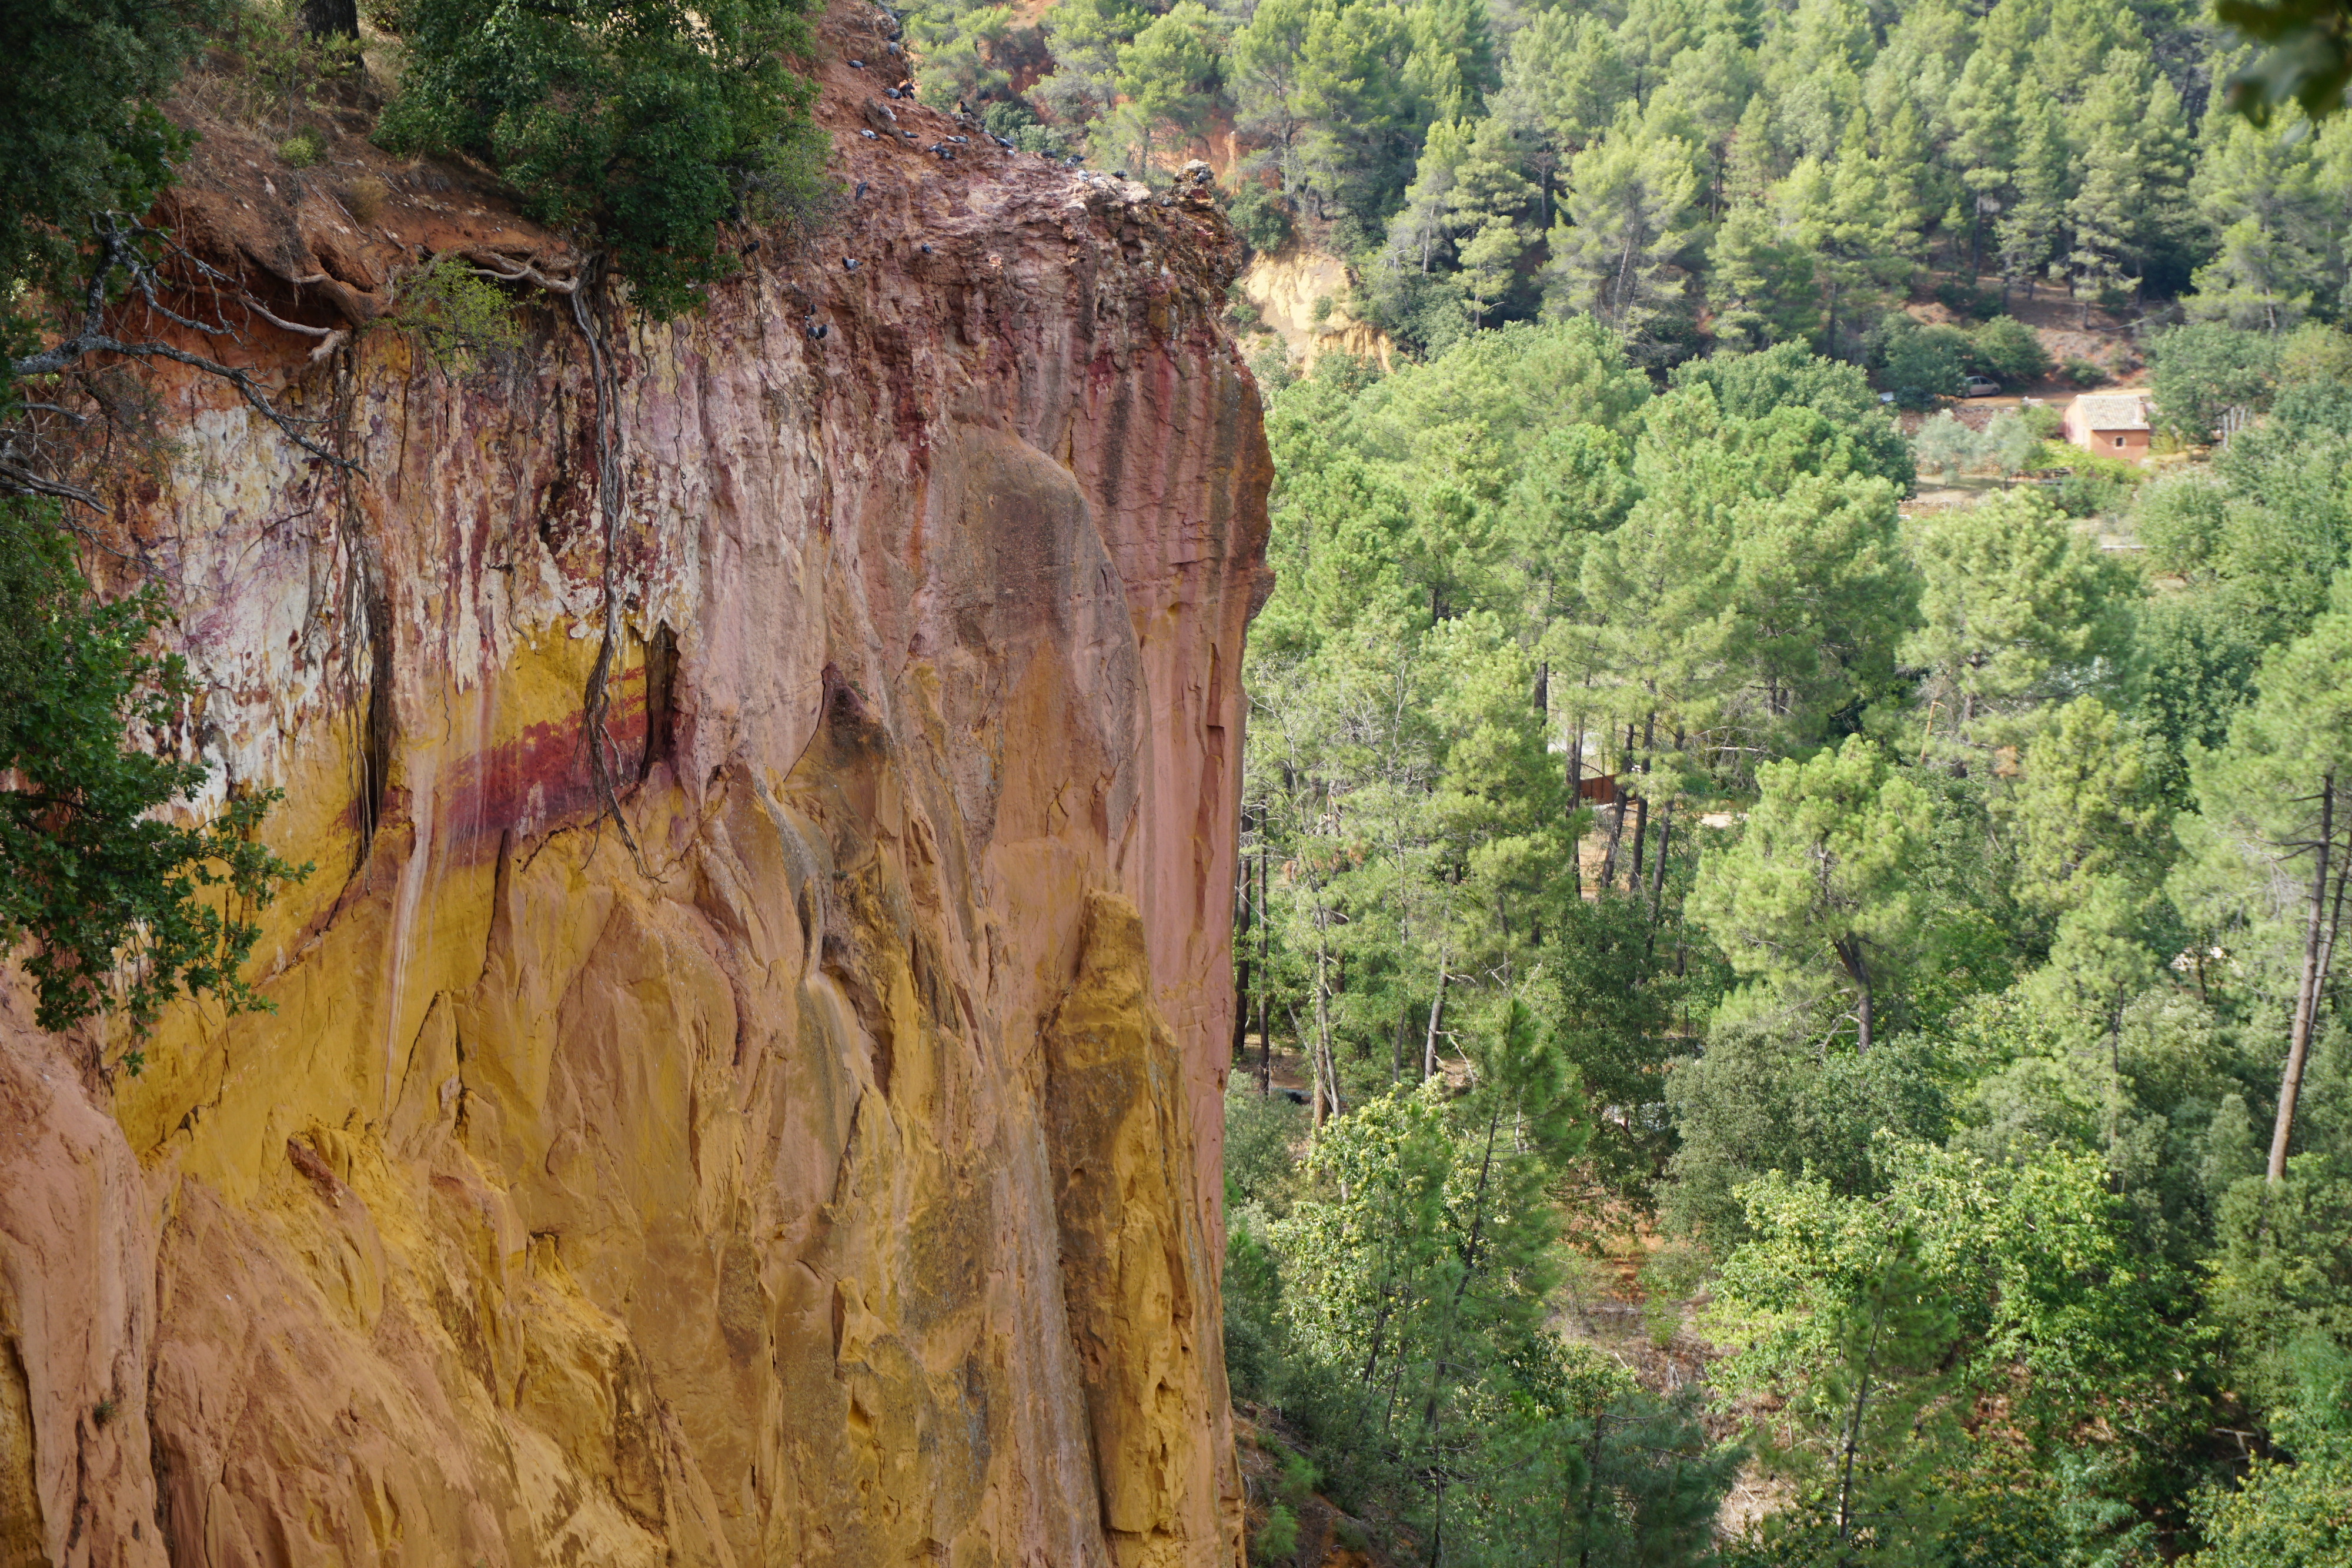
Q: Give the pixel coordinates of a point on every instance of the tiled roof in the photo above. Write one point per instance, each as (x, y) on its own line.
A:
(2111, 411)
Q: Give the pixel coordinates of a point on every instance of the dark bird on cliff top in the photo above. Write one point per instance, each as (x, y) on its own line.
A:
(861, 189)
(961, 108)
(927, 250)
(849, 264)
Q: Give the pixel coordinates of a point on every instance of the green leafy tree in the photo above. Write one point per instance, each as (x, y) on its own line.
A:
(118, 907)
(1946, 446)
(640, 124)
(2280, 794)
(1920, 364)
(1166, 77)
(1959, 1276)
(1819, 878)
(956, 49)
(1085, 37)
(1629, 211)
(1870, 1421)
(2009, 351)
(2013, 602)
(2202, 373)
(1760, 282)
(1750, 386)
(81, 128)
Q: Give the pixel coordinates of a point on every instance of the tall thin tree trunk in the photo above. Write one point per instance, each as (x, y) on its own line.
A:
(1857, 969)
(1617, 812)
(1591, 1489)
(1243, 989)
(1436, 1017)
(1658, 877)
(1469, 1270)
(1576, 803)
(1322, 1015)
(1854, 1427)
(1641, 804)
(2307, 1000)
(1265, 984)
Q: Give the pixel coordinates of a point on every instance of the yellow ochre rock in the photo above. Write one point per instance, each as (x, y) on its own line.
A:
(824, 1169)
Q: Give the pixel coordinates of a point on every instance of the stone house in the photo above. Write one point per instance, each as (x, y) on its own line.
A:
(2112, 423)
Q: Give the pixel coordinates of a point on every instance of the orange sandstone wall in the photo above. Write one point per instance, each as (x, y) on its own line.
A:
(837, 1181)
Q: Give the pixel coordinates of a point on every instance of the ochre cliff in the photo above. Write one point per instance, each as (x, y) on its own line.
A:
(830, 1178)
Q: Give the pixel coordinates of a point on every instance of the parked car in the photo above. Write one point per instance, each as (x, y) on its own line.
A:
(1979, 386)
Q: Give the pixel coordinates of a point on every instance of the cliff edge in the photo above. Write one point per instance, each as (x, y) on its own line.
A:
(823, 1170)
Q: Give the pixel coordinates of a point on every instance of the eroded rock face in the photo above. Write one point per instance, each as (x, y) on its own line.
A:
(830, 1178)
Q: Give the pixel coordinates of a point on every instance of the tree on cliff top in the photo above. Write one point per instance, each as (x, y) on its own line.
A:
(112, 906)
(640, 124)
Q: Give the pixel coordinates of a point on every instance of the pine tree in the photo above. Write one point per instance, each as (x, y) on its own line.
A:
(1820, 882)
(2282, 793)
(2031, 226)
(1627, 213)
(1759, 284)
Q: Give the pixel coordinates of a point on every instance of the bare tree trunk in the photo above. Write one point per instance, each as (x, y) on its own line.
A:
(1576, 803)
(1322, 1017)
(1642, 803)
(1857, 969)
(1265, 984)
(1242, 987)
(1469, 1270)
(2307, 1000)
(1658, 875)
(1854, 1427)
(1436, 1017)
(1617, 813)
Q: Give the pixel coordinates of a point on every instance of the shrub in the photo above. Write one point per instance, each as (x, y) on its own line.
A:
(2044, 422)
(1260, 216)
(643, 124)
(365, 199)
(1945, 446)
(1278, 1537)
(458, 316)
(1917, 364)
(2083, 372)
(301, 150)
(2008, 350)
(1014, 119)
(1966, 299)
